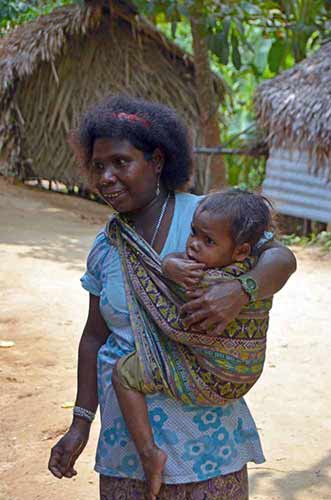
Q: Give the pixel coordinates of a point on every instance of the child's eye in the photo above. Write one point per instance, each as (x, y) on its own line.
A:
(209, 241)
(120, 162)
(192, 231)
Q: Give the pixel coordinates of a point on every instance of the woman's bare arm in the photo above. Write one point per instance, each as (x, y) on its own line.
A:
(275, 266)
(66, 451)
(215, 308)
(94, 336)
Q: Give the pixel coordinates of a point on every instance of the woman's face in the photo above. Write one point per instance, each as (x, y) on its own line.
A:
(124, 178)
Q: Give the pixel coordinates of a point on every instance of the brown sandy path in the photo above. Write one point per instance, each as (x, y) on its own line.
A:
(44, 240)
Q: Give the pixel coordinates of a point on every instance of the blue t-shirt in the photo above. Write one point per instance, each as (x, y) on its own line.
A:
(200, 442)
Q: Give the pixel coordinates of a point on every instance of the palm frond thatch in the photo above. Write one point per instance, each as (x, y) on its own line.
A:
(41, 40)
(294, 109)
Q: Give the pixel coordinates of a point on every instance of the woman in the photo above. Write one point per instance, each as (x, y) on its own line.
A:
(138, 157)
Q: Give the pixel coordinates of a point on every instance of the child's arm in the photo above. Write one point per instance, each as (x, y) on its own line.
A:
(182, 270)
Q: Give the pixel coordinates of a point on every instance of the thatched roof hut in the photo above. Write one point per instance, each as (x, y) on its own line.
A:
(294, 111)
(53, 68)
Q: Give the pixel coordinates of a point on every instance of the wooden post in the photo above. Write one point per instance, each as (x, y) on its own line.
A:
(306, 227)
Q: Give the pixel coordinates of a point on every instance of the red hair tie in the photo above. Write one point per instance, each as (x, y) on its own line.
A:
(132, 118)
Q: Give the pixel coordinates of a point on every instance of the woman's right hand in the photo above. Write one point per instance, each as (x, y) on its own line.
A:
(66, 451)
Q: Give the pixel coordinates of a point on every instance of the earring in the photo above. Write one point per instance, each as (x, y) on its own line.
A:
(157, 192)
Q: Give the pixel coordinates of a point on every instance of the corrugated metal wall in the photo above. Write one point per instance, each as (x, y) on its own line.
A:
(293, 190)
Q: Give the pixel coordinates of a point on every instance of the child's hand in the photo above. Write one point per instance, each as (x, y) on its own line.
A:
(183, 271)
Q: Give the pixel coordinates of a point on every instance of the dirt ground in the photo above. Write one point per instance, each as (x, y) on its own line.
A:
(44, 240)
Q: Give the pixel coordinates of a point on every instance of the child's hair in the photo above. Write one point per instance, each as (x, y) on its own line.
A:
(249, 214)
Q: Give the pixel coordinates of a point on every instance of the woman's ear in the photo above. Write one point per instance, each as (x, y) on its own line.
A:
(158, 160)
(241, 252)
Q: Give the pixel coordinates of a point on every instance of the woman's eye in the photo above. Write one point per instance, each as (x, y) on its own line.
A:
(98, 165)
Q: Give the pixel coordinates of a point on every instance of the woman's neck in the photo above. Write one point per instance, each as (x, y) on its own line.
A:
(153, 221)
(146, 215)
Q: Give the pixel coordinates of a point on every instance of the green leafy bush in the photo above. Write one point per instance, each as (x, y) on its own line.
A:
(322, 240)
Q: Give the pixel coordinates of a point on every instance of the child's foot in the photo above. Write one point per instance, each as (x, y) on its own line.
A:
(153, 460)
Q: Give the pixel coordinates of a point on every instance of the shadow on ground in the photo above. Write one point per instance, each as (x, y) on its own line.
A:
(292, 484)
(58, 237)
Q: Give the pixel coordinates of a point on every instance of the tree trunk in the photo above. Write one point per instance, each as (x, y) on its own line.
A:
(208, 103)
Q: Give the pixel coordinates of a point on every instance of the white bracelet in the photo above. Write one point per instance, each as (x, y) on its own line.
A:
(84, 413)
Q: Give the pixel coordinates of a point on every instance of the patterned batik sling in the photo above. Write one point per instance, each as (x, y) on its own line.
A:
(193, 367)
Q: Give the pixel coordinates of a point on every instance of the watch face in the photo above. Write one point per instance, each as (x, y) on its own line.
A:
(251, 284)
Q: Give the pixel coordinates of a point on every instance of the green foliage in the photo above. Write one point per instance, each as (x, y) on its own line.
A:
(277, 55)
(245, 172)
(294, 27)
(322, 240)
(236, 57)
(13, 12)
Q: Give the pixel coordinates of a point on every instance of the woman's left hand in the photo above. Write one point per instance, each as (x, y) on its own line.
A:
(211, 310)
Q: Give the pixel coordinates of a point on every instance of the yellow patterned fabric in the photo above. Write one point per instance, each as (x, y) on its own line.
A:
(194, 367)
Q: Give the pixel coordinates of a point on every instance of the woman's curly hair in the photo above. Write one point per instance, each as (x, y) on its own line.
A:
(158, 126)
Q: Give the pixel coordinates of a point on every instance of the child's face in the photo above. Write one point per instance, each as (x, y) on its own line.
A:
(210, 242)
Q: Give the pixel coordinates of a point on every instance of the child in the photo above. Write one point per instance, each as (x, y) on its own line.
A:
(195, 367)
